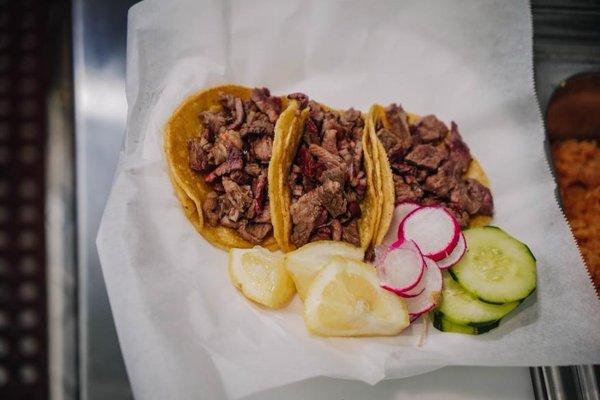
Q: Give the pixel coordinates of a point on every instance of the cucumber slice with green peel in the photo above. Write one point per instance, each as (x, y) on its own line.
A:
(461, 307)
(440, 322)
(496, 268)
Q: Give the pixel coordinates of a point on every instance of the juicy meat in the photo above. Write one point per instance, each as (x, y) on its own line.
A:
(210, 208)
(258, 127)
(300, 97)
(330, 141)
(254, 233)
(405, 191)
(233, 149)
(427, 156)
(327, 179)
(472, 197)
(305, 213)
(239, 114)
(267, 104)
(440, 183)
(337, 174)
(234, 162)
(459, 152)
(398, 120)
(322, 233)
(240, 197)
(262, 148)
(331, 196)
(330, 160)
(350, 233)
(388, 139)
(430, 129)
(336, 230)
(198, 159)
(213, 121)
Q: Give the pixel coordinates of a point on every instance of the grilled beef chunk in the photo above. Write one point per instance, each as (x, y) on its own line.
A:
(233, 150)
(254, 233)
(262, 148)
(429, 163)
(430, 129)
(300, 97)
(267, 104)
(198, 158)
(350, 233)
(327, 179)
(398, 120)
(336, 230)
(427, 156)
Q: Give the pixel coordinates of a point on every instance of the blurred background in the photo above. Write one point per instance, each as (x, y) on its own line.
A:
(62, 120)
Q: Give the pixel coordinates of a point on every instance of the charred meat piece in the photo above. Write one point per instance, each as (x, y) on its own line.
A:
(405, 191)
(459, 152)
(300, 97)
(331, 196)
(261, 148)
(427, 156)
(239, 114)
(430, 129)
(398, 120)
(234, 162)
(254, 233)
(350, 233)
(336, 230)
(325, 157)
(198, 159)
(210, 208)
(267, 104)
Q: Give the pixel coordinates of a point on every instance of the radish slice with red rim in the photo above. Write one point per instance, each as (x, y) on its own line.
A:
(432, 293)
(456, 254)
(417, 290)
(400, 267)
(400, 212)
(433, 229)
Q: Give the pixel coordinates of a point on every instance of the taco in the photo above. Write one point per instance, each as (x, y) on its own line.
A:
(218, 146)
(422, 161)
(325, 185)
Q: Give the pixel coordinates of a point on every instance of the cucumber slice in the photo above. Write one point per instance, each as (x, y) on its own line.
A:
(463, 308)
(444, 324)
(497, 268)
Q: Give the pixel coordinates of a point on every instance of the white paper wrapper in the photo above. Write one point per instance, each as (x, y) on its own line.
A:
(184, 330)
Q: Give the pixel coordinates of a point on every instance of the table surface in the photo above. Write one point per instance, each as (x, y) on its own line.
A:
(99, 32)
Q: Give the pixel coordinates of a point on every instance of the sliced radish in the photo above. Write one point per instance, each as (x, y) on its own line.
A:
(414, 292)
(431, 295)
(400, 212)
(433, 229)
(456, 254)
(400, 267)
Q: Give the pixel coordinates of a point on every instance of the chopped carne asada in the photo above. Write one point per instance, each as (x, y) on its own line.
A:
(327, 179)
(232, 153)
(429, 161)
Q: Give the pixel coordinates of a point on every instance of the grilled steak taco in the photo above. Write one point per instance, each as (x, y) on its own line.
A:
(325, 186)
(218, 146)
(422, 161)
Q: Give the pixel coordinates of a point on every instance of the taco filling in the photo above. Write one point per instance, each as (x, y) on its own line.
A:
(429, 162)
(232, 153)
(327, 178)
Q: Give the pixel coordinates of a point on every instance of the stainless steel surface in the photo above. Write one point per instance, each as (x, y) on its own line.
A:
(60, 213)
(537, 382)
(99, 29)
(587, 376)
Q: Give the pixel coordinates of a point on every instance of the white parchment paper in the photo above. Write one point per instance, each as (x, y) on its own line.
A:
(184, 330)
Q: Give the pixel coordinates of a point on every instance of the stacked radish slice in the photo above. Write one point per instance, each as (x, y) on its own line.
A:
(421, 242)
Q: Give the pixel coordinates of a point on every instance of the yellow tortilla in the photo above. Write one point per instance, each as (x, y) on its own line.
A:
(190, 188)
(385, 176)
(283, 155)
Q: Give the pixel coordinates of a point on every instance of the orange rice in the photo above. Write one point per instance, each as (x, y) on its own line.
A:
(577, 166)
